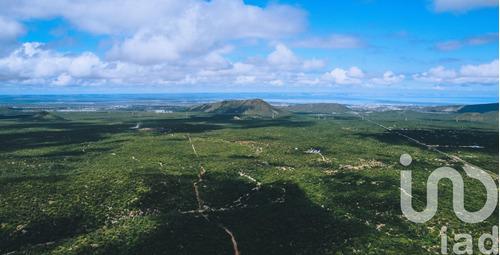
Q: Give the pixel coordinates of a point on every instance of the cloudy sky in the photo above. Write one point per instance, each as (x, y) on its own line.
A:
(418, 48)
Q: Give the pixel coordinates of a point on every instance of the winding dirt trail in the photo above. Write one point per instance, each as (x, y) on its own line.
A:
(324, 160)
(195, 184)
(235, 244)
(200, 204)
(192, 145)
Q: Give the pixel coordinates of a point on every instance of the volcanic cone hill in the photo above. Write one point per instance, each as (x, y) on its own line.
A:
(241, 107)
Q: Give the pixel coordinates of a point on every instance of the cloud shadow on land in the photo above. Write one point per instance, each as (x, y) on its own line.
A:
(197, 124)
(443, 137)
(63, 133)
(50, 222)
(276, 219)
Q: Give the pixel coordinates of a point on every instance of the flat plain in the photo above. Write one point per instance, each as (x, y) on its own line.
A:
(199, 183)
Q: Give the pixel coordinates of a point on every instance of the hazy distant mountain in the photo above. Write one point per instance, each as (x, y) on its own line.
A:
(479, 108)
(317, 108)
(241, 107)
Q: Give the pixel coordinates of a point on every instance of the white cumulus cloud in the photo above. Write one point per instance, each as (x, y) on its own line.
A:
(468, 74)
(117, 17)
(284, 59)
(62, 80)
(388, 78)
(355, 72)
(283, 56)
(156, 31)
(198, 28)
(33, 63)
(10, 30)
(340, 76)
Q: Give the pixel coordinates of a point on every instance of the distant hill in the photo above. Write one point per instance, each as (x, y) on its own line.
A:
(493, 115)
(479, 108)
(470, 116)
(475, 116)
(317, 108)
(44, 116)
(241, 107)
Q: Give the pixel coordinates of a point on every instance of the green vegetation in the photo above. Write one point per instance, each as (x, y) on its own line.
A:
(479, 108)
(123, 182)
(318, 108)
(44, 116)
(256, 107)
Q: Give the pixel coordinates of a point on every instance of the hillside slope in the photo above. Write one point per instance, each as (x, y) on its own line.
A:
(241, 107)
(479, 108)
(44, 116)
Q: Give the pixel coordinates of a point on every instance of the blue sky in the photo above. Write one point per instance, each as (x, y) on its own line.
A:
(427, 48)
